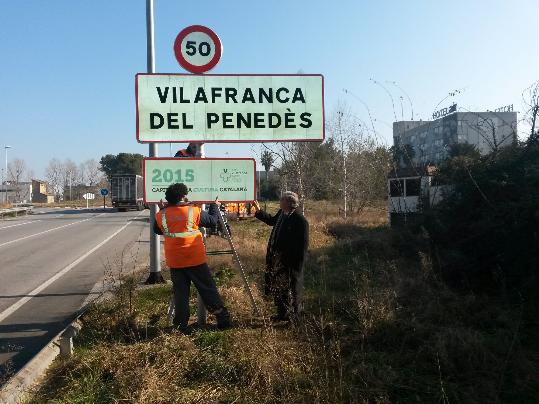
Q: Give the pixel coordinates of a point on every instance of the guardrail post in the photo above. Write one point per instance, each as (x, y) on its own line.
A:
(66, 339)
(66, 346)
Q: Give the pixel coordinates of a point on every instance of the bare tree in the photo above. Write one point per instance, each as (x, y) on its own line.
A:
(69, 175)
(55, 175)
(494, 131)
(93, 173)
(81, 174)
(344, 128)
(18, 173)
(530, 98)
(293, 158)
(368, 164)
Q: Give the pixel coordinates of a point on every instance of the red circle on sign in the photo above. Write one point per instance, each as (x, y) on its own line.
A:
(189, 66)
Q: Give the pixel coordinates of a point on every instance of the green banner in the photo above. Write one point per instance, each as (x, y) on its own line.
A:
(230, 180)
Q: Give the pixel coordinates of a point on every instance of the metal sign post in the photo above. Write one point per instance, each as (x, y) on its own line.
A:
(155, 246)
(104, 192)
(88, 196)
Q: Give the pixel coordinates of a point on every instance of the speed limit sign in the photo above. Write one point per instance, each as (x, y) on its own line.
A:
(197, 49)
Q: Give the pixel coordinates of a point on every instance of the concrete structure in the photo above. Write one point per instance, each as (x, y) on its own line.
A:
(409, 190)
(40, 192)
(412, 188)
(431, 140)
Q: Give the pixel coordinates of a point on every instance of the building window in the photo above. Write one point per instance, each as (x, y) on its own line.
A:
(396, 188)
(413, 185)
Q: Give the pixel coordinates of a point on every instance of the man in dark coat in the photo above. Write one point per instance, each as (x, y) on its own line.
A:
(285, 255)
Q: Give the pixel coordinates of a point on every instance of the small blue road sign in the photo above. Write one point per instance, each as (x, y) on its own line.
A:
(104, 192)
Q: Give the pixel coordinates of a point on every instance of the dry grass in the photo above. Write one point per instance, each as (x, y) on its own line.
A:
(379, 327)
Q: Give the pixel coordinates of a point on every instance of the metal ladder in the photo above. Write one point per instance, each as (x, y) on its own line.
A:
(233, 251)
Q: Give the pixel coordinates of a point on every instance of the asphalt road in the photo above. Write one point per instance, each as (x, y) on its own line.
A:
(51, 262)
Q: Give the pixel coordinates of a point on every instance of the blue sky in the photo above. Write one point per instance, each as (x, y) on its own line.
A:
(67, 67)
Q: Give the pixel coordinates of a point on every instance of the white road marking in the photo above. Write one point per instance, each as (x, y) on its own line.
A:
(20, 224)
(17, 305)
(47, 231)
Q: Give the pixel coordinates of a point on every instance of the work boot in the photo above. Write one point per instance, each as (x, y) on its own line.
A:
(223, 319)
(185, 330)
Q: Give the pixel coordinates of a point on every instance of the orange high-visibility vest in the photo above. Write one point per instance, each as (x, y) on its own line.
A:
(184, 246)
(183, 153)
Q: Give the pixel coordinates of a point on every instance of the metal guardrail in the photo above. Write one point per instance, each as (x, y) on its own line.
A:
(15, 211)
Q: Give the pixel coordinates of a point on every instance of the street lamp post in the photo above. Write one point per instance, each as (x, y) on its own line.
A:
(5, 171)
(155, 246)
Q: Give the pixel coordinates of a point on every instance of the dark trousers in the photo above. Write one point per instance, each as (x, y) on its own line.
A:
(181, 281)
(286, 287)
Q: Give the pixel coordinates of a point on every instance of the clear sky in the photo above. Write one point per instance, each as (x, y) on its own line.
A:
(67, 67)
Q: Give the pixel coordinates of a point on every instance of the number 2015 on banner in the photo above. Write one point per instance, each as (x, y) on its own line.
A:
(168, 176)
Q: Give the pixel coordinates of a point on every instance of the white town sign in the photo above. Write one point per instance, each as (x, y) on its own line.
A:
(229, 108)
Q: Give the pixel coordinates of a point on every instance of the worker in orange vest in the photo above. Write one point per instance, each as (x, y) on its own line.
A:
(185, 254)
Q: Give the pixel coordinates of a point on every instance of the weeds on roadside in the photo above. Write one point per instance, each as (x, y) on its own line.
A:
(379, 327)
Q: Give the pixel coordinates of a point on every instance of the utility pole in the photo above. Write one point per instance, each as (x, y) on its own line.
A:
(155, 244)
(6, 174)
